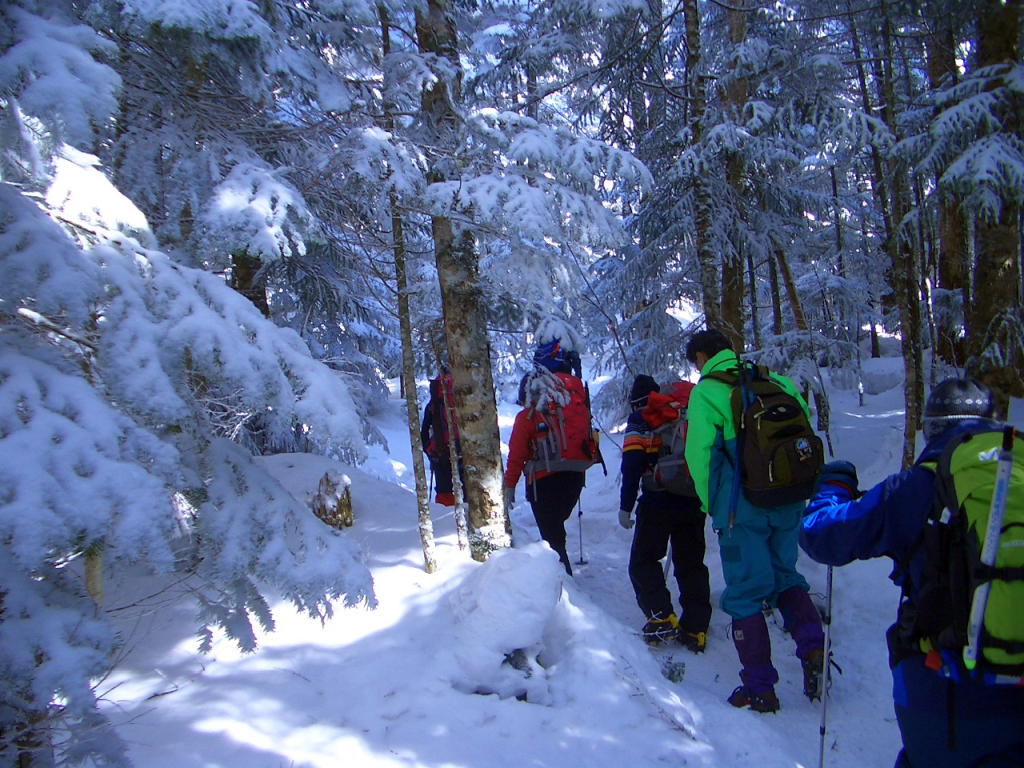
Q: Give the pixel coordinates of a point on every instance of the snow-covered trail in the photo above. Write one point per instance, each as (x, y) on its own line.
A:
(401, 685)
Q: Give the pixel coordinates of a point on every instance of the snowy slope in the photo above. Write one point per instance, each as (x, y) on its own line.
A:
(420, 680)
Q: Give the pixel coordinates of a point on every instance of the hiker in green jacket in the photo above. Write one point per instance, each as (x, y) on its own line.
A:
(757, 545)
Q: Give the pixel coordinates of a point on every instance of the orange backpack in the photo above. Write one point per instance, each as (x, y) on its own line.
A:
(665, 413)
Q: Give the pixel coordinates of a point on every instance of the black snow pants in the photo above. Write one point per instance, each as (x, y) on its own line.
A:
(553, 498)
(680, 522)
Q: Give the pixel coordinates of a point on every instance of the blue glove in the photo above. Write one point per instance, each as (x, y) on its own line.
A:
(839, 473)
(626, 518)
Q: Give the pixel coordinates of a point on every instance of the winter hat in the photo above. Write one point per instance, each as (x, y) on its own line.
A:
(551, 355)
(954, 400)
(643, 385)
(521, 399)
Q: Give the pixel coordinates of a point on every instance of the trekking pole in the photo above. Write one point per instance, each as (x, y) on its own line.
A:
(827, 621)
(990, 547)
(582, 560)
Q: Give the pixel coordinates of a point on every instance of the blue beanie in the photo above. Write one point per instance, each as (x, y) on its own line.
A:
(550, 355)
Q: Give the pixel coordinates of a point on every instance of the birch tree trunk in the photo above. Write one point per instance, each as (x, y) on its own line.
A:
(455, 457)
(707, 259)
(425, 524)
(466, 337)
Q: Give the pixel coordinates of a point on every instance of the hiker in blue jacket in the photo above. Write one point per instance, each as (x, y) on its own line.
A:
(943, 724)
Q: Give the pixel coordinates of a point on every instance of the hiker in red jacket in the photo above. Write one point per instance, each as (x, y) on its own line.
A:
(551, 444)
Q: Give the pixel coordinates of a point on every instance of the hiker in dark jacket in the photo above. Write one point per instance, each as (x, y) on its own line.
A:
(943, 724)
(661, 518)
(434, 436)
(552, 493)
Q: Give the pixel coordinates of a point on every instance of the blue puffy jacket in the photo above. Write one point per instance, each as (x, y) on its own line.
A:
(884, 522)
(967, 725)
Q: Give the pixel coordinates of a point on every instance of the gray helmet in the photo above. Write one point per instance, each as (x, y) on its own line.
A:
(953, 401)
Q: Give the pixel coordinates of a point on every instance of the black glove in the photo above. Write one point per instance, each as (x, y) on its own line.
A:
(840, 473)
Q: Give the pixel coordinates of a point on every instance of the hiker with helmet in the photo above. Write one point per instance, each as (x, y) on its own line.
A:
(662, 516)
(757, 542)
(948, 716)
(551, 443)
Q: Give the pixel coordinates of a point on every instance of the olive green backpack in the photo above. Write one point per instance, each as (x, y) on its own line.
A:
(953, 540)
(779, 454)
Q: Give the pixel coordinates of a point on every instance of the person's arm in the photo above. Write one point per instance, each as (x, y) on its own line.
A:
(519, 451)
(885, 521)
(704, 422)
(425, 427)
(634, 462)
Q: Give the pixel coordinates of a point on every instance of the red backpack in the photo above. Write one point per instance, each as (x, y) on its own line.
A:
(565, 440)
(665, 414)
(438, 445)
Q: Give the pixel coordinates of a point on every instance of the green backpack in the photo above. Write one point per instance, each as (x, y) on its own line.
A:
(779, 454)
(953, 541)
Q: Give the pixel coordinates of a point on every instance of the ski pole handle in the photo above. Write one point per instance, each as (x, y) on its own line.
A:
(990, 548)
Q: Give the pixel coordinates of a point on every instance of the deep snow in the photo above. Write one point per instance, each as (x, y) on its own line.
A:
(420, 680)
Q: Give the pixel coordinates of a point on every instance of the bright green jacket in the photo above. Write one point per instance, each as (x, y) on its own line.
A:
(711, 439)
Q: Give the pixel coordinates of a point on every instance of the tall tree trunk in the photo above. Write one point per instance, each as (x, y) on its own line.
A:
(244, 269)
(905, 272)
(707, 259)
(791, 294)
(465, 325)
(732, 268)
(773, 274)
(424, 522)
(951, 256)
(454, 454)
(754, 329)
(821, 403)
(893, 207)
(996, 310)
(469, 357)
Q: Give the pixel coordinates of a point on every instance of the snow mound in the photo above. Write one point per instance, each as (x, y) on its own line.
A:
(501, 612)
(882, 374)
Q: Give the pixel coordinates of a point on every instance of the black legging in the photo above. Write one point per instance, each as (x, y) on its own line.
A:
(655, 527)
(553, 498)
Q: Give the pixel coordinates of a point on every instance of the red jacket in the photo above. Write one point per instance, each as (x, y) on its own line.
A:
(521, 447)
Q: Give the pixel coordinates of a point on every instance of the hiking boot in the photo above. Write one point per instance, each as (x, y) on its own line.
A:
(759, 702)
(814, 665)
(693, 641)
(657, 630)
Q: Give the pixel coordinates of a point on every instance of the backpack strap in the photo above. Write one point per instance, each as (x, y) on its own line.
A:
(944, 499)
(726, 377)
